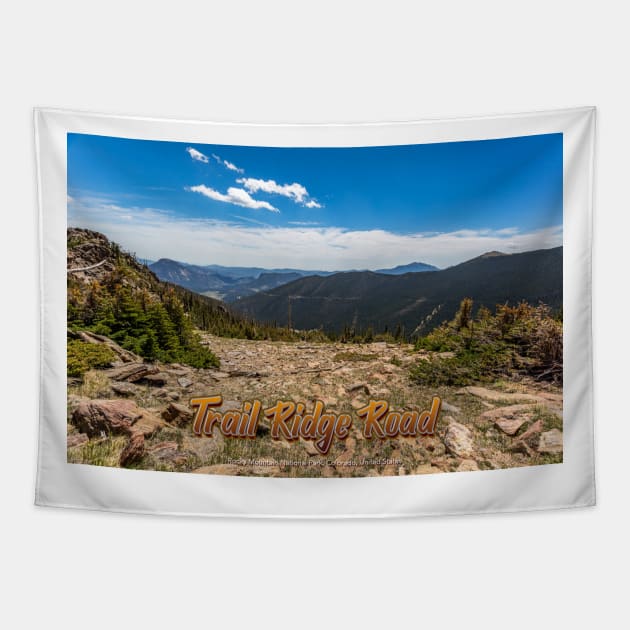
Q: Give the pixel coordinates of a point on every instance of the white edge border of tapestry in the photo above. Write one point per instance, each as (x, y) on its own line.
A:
(570, 484)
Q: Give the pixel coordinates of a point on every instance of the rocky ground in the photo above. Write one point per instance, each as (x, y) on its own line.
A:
(137, 415)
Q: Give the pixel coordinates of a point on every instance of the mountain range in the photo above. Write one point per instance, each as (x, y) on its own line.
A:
(234, 283)
(389, 300)
(413, 302)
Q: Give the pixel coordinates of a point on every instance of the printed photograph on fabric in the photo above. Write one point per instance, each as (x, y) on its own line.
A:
(315, 312)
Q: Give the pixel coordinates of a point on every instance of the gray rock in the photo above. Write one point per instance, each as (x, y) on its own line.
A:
(450, 408)
(155, 380)
(458, 440)
(124, 389)
(550, 442)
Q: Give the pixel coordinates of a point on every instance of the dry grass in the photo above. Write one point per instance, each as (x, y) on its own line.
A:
(101, 452)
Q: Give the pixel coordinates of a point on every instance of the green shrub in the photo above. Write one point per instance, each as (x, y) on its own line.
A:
(83, 356)
(514, 341)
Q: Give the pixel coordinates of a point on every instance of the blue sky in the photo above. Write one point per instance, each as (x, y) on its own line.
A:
(323, 208)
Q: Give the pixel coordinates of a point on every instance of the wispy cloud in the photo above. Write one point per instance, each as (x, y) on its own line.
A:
(200, 157)
(250, 220)
(157, 233)
(235, 196)
(295, 191)
(228, 165)
(197, 155)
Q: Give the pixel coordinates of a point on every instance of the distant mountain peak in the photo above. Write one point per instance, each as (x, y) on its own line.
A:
(492, 254)
(413, 267)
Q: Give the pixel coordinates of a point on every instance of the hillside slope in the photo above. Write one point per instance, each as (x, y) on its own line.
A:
(415, 302)
(111, 293)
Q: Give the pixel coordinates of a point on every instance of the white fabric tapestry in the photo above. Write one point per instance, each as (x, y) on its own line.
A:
(318, 320)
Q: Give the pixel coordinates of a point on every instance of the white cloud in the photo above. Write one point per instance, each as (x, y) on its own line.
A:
(228, 165)
(155, 234)
(295, 191)
(197, 155)
(232, 167)
(235, 196)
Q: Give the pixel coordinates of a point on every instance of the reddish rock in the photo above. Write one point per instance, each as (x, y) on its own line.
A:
(109, 416)
(148, 424)
(168, 452)
(510, 419)
(114, 416)
(532, 432)
(76, 439)
(176, 413)
(511, 425)
(132, 372)
(134, 451)
(529, 440)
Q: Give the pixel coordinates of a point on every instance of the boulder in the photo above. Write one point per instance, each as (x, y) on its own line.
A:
(550, 442)
(511, 411)
(148, 423)
(359, 387)
(467, 465)
(123, 389)
(179, 414)
(134, 451)
(184, 382)
(168, 452)
(458, 440)
(511, 425)
(531, 435)
(132, 372)
(529, 440)
(155, 380)
(510, 419)
(94, 417)
(432, 444)
(109, 416)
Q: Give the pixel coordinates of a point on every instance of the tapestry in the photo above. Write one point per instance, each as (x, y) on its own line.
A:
(316, 320)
